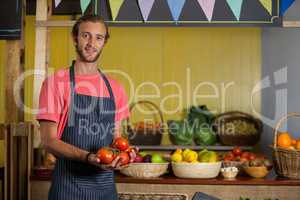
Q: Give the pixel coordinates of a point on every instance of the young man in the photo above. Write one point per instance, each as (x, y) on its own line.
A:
(80, 110)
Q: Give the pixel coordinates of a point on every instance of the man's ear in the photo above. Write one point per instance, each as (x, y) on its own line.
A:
(75, 40)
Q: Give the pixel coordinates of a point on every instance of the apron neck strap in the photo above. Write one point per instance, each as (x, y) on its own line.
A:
(72, 80)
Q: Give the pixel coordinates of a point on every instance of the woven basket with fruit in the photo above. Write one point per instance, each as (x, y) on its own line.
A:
(145, 132)
(146, 165)
(286, 151)
(237, 128)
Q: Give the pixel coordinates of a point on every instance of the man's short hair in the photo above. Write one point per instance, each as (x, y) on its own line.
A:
(89, 18)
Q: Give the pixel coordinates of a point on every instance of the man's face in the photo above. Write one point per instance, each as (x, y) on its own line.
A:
(90, 41)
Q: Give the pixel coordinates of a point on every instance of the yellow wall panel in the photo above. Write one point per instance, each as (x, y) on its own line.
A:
(166, 61)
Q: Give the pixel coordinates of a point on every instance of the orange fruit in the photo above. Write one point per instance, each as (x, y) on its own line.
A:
(294, 142)
(284, 140)
(298, 144)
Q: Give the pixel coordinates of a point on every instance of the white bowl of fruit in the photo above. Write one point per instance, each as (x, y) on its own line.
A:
(192, 164)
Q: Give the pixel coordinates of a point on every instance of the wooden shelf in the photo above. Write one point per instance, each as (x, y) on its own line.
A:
(271, 179)
(173, 147)
(54, 23)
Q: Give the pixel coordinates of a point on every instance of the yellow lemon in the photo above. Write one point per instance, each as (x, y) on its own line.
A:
(176, 157)
(190, 156)
(185, 152)
(179, 151)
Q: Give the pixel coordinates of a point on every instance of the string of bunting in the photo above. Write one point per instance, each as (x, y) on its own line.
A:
(176, 7)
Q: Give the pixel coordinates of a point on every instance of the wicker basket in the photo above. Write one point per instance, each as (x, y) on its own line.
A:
(145, 170)
(286, 162)
(145, 136)
(237, 139)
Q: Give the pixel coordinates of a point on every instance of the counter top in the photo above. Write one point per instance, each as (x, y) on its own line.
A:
(271, 180)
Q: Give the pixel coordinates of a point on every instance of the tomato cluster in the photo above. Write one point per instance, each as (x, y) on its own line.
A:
(237, 154)
(120, 147)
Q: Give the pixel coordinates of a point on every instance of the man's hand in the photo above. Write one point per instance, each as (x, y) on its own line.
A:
(114, 165)
(132, 153)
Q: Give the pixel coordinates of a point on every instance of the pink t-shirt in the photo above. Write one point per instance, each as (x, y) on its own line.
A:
(55, 96)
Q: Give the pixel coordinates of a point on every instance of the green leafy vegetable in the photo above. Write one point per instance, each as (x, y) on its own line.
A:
(180, 132)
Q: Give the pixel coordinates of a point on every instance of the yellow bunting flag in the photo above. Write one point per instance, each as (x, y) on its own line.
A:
(267, 5)
(115, 6)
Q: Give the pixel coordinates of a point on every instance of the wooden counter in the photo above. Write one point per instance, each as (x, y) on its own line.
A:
(269, 187)
(271, 180)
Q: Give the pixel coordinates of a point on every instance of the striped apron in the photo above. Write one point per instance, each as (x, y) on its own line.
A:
(90, 126)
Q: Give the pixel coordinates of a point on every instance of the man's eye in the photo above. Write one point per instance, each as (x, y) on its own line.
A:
(85, 35)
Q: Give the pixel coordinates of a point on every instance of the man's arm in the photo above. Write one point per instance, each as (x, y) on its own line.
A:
(61, 149)
(56, 146)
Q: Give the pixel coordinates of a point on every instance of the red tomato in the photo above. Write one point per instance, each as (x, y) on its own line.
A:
(237, 158)
(245, 155)
(124, 158)
(227, 158)
(252, 156)
(237, 151)
(230, 154)
(105, 155)
(121, 143)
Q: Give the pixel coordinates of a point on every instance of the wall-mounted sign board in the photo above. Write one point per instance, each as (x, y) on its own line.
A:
(179, 12)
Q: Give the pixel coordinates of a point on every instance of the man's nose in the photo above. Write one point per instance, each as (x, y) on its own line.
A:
(92, 41)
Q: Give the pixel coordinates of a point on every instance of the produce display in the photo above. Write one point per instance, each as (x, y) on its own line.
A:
(145, 157)
(190, 156)
(180, 133)
(237, 154)
(196, 128)
(146, 165)
(235, 128)
(259, 162)
(254, 164)
(285, 140)
(240, 127)
(120, 147)
(191, 164)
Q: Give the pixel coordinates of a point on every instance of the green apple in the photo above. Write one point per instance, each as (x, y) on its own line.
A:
(209, 156)
(157, 158)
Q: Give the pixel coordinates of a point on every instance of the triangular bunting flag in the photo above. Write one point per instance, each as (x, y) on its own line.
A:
(207, 7)
(236, 7)
(146, 6)
(115, 6)
(56, 3)
(267, 5)
(84, 4)
(284, 5)
(176, 8)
